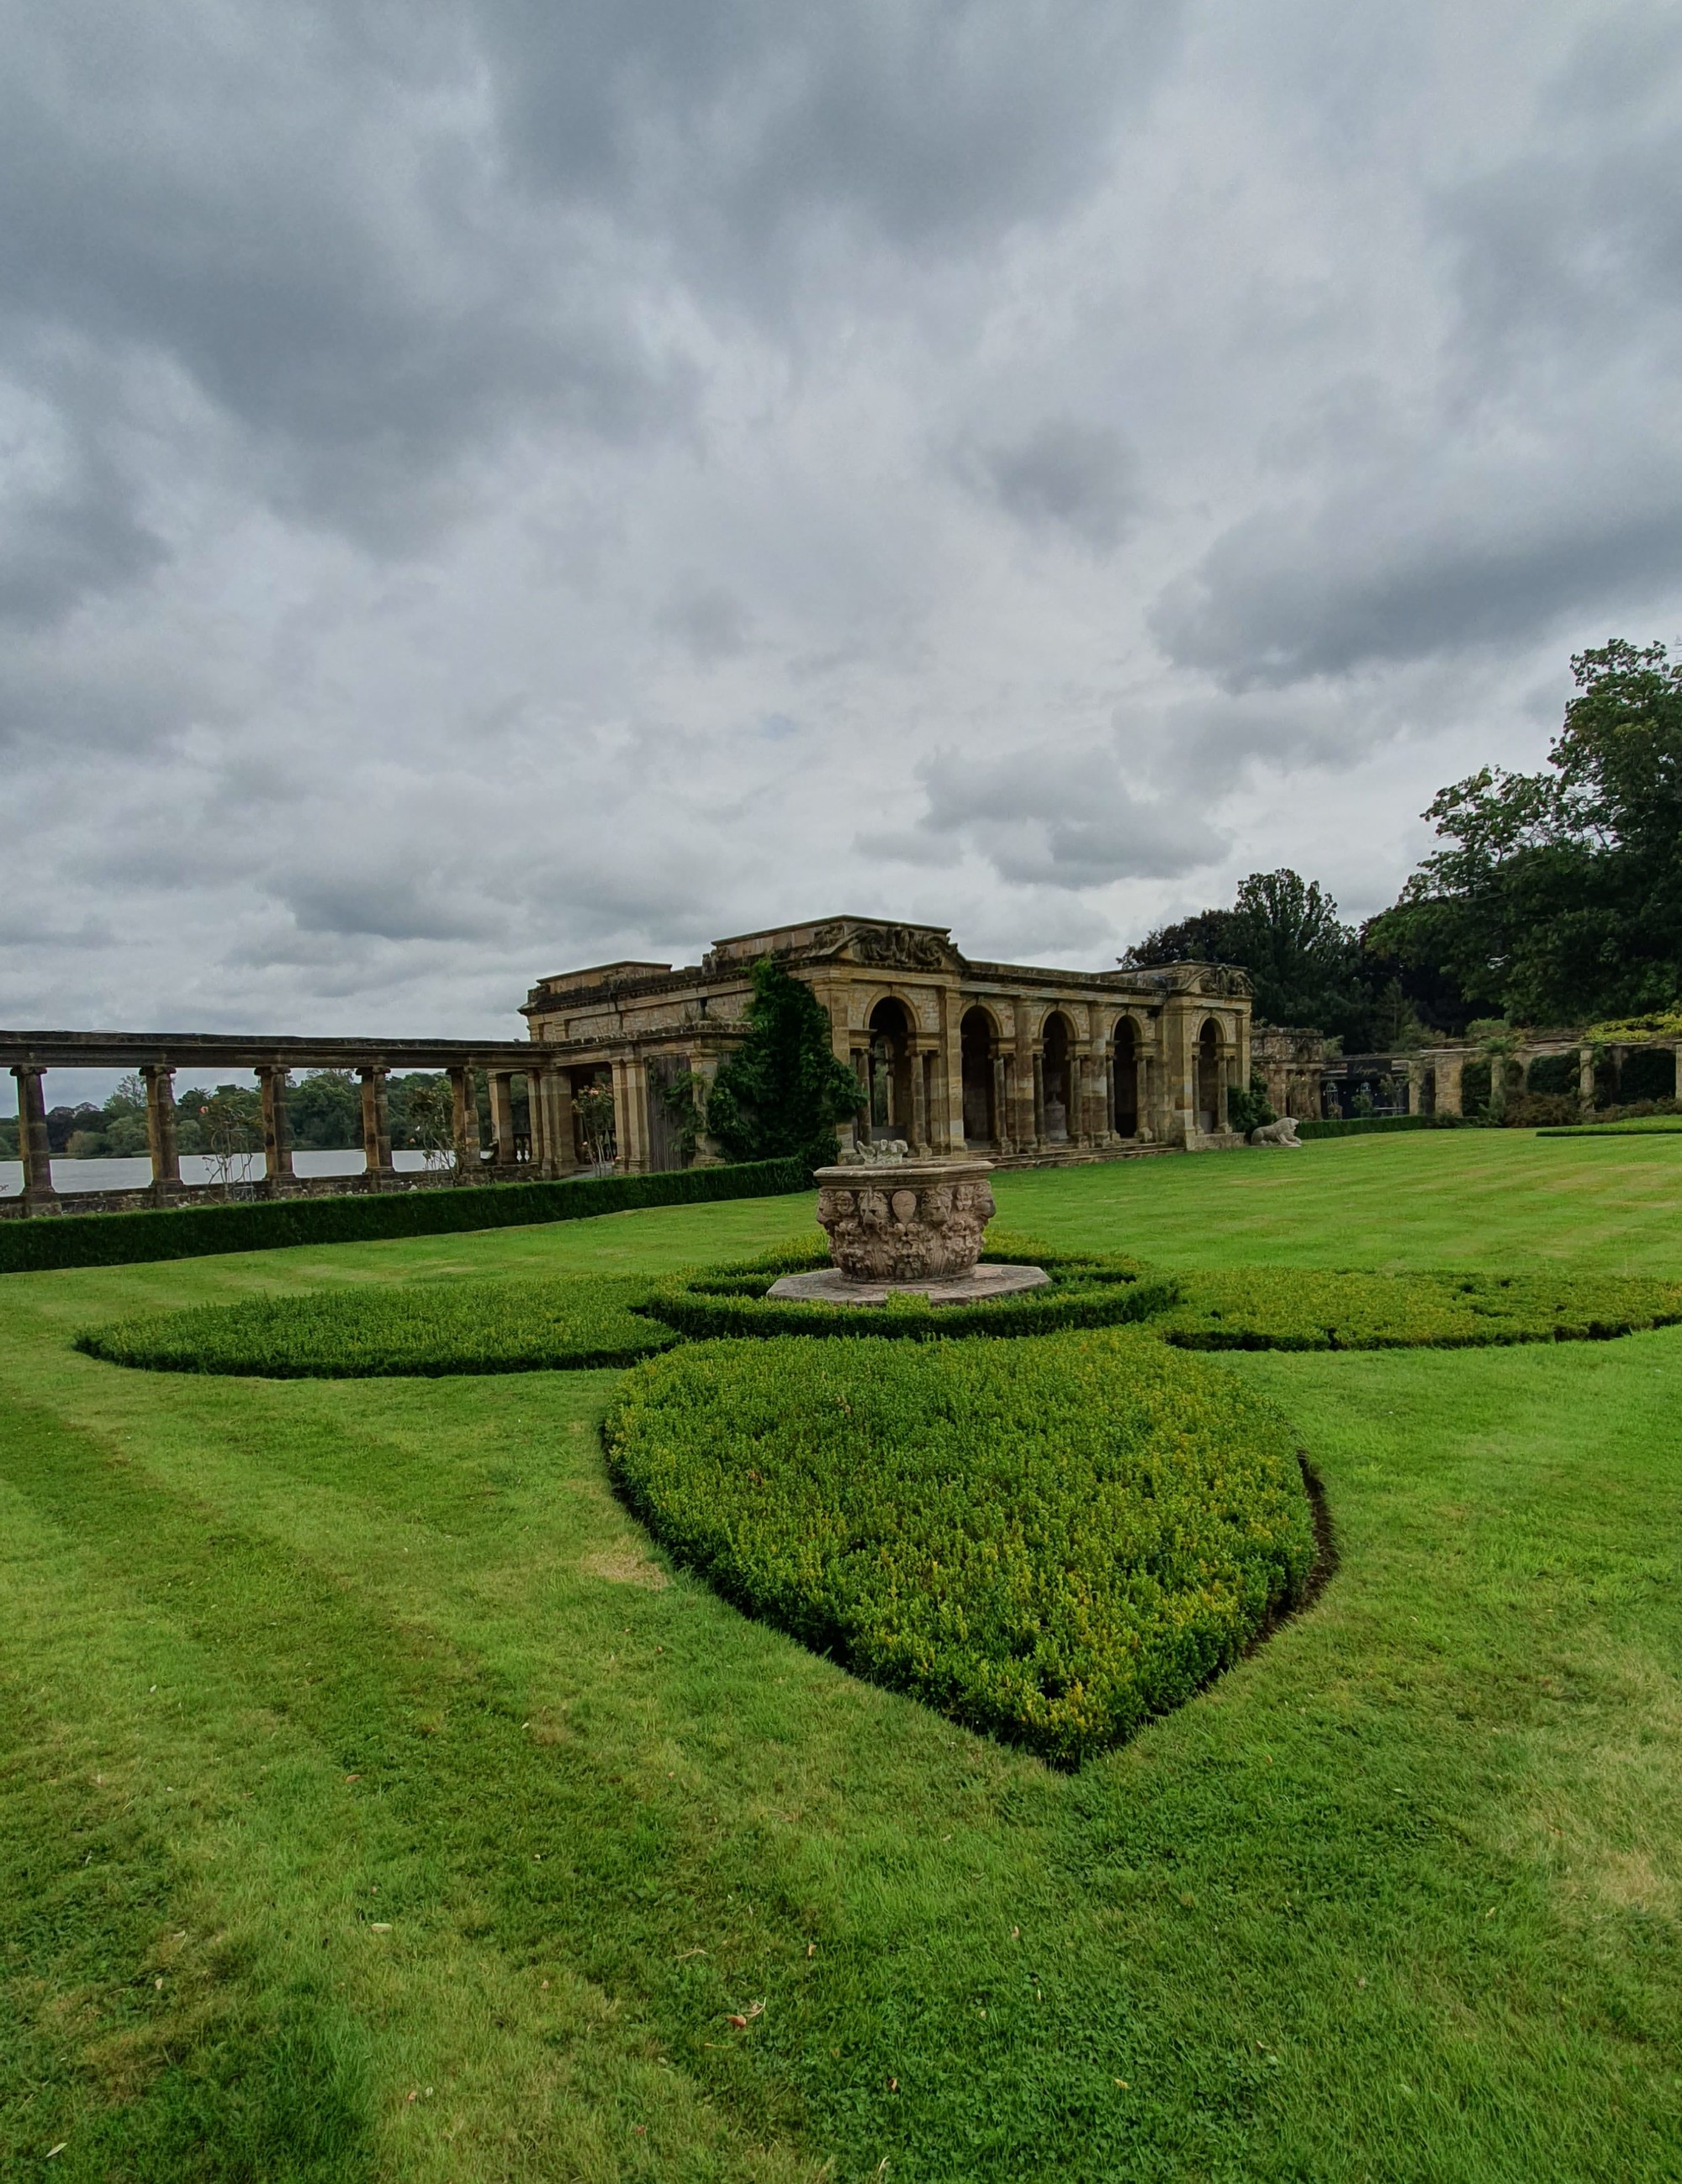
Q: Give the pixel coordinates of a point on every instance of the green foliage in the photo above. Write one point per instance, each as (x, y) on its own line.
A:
(1086, 1289)
(1351, 1126)
(324, 1110)
(561, 1324)
(781, 1095)
(1306, 967)
(1559, 895)
(1048, 1543)
(113, 1240)
(1247, 1106)
(1295, 1308)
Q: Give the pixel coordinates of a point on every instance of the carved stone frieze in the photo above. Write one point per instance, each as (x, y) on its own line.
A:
(917, 1220)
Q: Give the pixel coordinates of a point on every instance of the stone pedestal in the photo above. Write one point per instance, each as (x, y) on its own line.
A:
(905, 1220)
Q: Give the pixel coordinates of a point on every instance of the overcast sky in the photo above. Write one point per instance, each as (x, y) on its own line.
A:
(494, 486)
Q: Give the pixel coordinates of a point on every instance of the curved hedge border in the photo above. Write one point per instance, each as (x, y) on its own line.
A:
(1049, 1542)
(192, 1232)
(398, 1329)
(1296, 1308)
(1086, 1289)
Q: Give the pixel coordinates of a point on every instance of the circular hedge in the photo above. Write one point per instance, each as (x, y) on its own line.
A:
(561, 1324)
(1048, 1541)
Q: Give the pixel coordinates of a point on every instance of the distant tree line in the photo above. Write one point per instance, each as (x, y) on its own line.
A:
(325, 1109)
(1557, 899)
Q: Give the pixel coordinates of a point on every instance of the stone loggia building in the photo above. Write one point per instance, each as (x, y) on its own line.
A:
(1025, 1064)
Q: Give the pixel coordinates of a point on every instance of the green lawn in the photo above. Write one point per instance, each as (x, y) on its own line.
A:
(375, 1802)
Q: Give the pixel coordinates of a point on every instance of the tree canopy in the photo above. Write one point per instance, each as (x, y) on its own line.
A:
(1558, 895)
(783, 1091)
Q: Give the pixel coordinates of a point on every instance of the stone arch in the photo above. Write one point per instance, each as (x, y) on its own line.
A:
(1060, 1109)
(1210, 1104)
(979, 1045)
(893, 1026)
(1127, 1064)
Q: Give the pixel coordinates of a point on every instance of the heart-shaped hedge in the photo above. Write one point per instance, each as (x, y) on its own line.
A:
(1049, 1540)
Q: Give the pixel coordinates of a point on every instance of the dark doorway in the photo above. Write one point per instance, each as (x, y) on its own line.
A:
(1062, 1122)
(1127, 1079)
(980, 1123)
(890, 1071)
(1209, 1076)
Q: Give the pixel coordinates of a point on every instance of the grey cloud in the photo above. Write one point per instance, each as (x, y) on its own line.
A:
(389, 906)
(709, 620)
(1065, 474)
(1407, 567)
(1043, 817)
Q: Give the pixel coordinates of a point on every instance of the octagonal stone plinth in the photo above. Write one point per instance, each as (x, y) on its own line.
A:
(907, 1220)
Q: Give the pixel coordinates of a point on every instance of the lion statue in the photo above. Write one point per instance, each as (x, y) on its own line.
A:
(1281, 1133)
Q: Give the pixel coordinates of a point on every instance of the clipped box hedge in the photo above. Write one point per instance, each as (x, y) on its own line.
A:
(1049, 1541)
(1363, 1126)
(192, 1232)
(1303, 1308)
(1086, 1290)
(565, 1322)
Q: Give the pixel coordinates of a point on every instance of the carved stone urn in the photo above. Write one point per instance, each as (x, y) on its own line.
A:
(909, 1221)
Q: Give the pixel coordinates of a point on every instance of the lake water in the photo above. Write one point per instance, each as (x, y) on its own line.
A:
(71, 1175)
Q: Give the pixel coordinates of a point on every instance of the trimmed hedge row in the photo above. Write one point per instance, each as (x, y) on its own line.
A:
(1295, 1308)
(1086, 1290)
(1655, 1126)
(1049, 1542)
(398, 1329)
(1361, 1126)
(192, 1232)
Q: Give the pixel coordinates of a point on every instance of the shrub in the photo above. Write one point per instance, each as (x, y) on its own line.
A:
(398, 1328)
(1296, 1308)
(1343, 1126)
(192, 1232)
(1248, 1107)
(1531, 1111)
(783, 1092)
(1048, 1541)
(1086, 1289)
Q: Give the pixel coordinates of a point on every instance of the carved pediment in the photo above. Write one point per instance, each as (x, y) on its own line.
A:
(886, 947)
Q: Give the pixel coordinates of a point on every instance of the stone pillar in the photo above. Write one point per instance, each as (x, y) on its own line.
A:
(463, 1086)
(160, 1129)
(33, 1150)
(1450, 1067)
(631, 1115)
(534, 1109)
(276, 1124)
(561, 1125)
(1586, 1079)
(919, 1131)
(376, 1127)
(501, 1082)
(1038, 1100)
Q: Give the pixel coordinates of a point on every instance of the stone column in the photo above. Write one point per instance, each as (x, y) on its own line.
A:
(631, 1115)
(1449, 1069)
(463, 1086)
(534, 1110)
(376, 1127)
(1038, 1100)
(919, 1073)
(160, 1129)
(276, 1124)
(33, 1150)
(1001, 1105)
(503, 1153)
(1586, 1079)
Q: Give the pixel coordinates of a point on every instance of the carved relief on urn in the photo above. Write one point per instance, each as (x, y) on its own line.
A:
(916, 1221)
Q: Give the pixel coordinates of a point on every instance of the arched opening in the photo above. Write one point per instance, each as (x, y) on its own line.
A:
(1127, 1079)
(890, 1071)
(1209, 1076)
(1062, 1122)
(981, 1122)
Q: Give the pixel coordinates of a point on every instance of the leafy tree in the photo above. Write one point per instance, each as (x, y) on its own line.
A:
(1306, 967)
(326, 1111)
(1559, 894)
(783, 1092)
